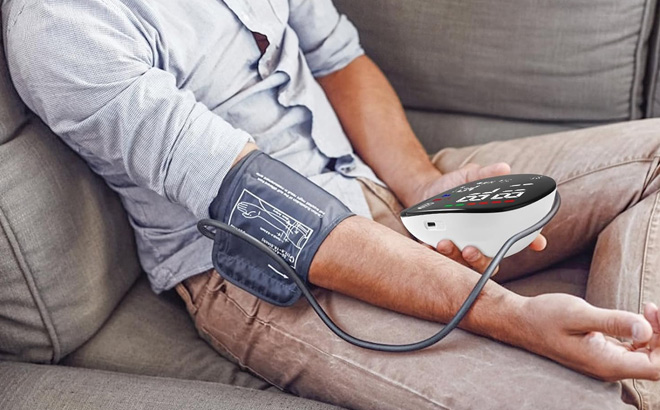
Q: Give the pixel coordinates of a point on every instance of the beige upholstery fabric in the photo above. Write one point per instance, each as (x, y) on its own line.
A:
(153, 335)
(67, 254)
(533, 60)
(29, 387)
(438, 130)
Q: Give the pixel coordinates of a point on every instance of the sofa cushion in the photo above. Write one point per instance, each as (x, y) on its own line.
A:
(67, 250)
(13, 113)
(153, 335)
(29, 386)
(535, 60)
(437, 130)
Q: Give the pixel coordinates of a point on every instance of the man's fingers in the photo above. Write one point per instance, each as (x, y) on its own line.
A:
(477, 260)
(652, 314)
(494, 170)
(447, 248)
(474, 172)
(470, 256)
(539, 243)
(615, 323)
(471, 171)
(617, 362)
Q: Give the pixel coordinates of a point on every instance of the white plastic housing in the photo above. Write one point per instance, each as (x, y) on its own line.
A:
(487, 231)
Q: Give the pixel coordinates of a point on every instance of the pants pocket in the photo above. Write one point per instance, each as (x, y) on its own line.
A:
(194, 289)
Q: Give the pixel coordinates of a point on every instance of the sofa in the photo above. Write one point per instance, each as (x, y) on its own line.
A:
(79, 325)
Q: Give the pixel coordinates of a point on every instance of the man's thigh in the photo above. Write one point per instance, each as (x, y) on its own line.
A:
(600, 172)
(291, 348)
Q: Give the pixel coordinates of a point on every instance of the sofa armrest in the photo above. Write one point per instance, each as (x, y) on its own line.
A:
(30, 386)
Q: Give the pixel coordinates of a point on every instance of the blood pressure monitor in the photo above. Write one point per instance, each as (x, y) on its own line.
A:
(262, 228)
(484, 213)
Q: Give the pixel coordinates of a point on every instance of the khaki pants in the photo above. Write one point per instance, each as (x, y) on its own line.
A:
(608, 179)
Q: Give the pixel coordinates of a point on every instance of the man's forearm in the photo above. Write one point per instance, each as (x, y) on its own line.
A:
(375, 122)
(372, 263)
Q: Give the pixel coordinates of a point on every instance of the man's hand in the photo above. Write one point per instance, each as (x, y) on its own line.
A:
(433, 185)
(580, 336)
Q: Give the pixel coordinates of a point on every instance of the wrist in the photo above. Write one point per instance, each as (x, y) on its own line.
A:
(522, 329)
(507, 321)
(412, 193)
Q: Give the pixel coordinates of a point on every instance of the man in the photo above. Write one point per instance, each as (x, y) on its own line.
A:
(162, 98)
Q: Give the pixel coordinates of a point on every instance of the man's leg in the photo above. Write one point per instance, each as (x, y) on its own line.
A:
(291, 348)
(625, 274)
(608, 179)
(601, 172)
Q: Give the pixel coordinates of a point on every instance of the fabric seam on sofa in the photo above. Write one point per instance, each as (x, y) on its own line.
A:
(12, 135)
(637, 81)
(653, 68)
(29, 280)
(567, 122)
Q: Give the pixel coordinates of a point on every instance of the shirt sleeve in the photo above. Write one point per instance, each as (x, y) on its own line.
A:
(328, 39)
(90, 71)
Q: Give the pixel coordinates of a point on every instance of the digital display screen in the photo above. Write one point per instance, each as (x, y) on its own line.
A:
(495, 194)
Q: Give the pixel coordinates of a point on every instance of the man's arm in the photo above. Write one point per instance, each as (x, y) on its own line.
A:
(367, 106)
(372, 263)
(374, 121)
(94, 81)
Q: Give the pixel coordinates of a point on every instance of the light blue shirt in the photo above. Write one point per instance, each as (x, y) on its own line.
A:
(160, 96)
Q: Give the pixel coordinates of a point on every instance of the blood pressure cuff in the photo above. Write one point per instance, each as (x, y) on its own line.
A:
(280, 208)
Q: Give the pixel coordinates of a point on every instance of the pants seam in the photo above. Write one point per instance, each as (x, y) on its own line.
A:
(599, 169)
(604, 167)
(314, 348)
(185, 295)
(624, 161)
(649, 229)
(205, 290)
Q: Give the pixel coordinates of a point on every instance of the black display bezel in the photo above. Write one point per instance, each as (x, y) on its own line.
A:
(543, 186)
